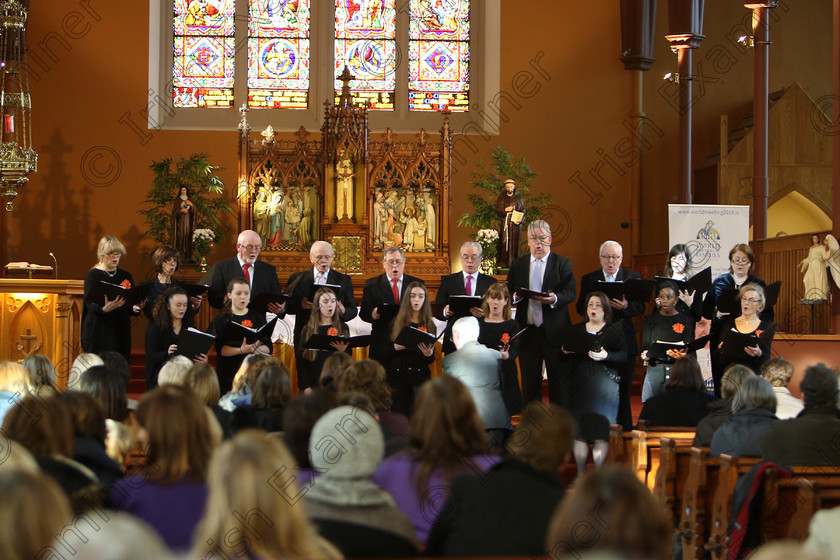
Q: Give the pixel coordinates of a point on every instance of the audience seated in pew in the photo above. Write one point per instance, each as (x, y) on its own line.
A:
(754, 413)
(505, 511)
(14, 382)
(813, 437)
(272, 391)
(243, 383)
(685, 400)
(204, 382)
(720, 410)
(779, 372)
(299, 418)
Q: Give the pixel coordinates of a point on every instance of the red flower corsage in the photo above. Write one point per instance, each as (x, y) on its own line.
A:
(678, 328)
(758, 332)
(332, 331)
(505, 338)
(126, 284)
(424, 329)
(247, 323)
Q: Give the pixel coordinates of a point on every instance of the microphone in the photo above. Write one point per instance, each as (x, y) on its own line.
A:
(55, 260)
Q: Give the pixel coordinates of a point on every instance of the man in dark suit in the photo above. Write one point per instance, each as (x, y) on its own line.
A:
(380, 290)
(246, 264)
(623, 311)
(321, 256)
(546, 272)
(456, 285)
(480, 369)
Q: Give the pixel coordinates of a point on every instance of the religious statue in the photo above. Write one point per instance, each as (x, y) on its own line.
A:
(814, 267)
(511, 209)
(262, 215)
(344, 188)
(183, 224)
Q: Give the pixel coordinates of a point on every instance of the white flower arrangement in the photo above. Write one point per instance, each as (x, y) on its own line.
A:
(487, 236)
(204, 235)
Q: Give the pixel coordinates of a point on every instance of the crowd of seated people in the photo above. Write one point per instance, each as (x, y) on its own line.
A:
(377, 457)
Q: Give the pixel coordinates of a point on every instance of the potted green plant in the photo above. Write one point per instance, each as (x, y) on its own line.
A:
(173, 219)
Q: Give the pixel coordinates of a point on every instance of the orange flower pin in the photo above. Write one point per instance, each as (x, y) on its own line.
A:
(424, 329)
(247, 323)
(505, 338)
(332, 331)
(126, 284)
(678, 328)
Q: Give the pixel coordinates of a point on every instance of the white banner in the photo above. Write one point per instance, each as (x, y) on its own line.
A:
(709, 231)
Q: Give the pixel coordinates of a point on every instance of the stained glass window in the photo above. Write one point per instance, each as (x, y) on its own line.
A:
(278, 54)
(439, 55)
(203, 56)
(365, 42)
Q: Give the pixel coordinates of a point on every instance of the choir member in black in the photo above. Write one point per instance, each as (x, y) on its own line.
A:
(751, 297)
(679, 267)
(409, 367)
(166, 260)
(171, 315)
(323, 319)
(664, 325)
(741, 262)
(497, 328)
(594, 381)
(107, 325)
(232, 352)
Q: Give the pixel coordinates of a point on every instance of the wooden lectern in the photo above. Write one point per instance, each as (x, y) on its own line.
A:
(42, 317)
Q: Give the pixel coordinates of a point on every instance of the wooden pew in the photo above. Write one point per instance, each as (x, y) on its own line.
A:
(697, 502)
(790, 503)
(619, 451)
(645, 446)
(672, 475)
(730, 469)
(812, 497)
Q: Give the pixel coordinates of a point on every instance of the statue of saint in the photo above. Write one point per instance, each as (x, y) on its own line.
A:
(183, 224)
(511, 209)
(344, 190)
(814, 267)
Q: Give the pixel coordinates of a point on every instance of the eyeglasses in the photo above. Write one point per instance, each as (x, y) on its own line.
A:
(113, 254)
(751, 301)
(611, 257)
(393, 262)
(595, 305)
(469, 257)
(540, 238)
(172, 261)
(322, 257)
(250, 248)
(740, 261)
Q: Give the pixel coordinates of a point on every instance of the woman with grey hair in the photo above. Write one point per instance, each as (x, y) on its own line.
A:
(754, 414)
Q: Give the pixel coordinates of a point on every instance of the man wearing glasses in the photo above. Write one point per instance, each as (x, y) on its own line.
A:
(261, 276)
(543, 272)
(321, 256)
(387, 288)
(468, 282)
(623, 311)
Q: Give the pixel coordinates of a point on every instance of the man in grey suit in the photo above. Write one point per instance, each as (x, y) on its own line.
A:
(480, 369)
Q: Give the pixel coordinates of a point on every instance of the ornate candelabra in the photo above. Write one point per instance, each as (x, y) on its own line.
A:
(17, 158)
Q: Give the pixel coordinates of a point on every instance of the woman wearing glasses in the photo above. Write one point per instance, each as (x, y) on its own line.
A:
(166, 260)
(751, 297)
(741, 261)
(106, 325)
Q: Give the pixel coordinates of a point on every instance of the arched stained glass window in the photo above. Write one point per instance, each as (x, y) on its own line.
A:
(439, 55)
(365, 42)
(278, 54)
(203, 56)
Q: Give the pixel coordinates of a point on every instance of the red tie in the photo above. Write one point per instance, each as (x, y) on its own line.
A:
(245, 268)
(469, 285)
(395, 290)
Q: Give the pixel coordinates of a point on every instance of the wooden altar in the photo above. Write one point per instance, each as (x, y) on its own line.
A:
(41, 317)
(339, 186)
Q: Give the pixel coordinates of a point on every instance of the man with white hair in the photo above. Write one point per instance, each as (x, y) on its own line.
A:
(321, 256)
(623, 311)
(261, 276)
(480, 369)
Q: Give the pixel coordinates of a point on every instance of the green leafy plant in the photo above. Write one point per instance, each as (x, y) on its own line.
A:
(205, 188)
(490, 180)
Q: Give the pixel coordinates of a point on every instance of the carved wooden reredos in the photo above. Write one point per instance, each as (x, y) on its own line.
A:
(340, 187)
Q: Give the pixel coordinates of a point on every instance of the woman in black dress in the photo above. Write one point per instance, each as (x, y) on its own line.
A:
(593, 380)
(497, 329)
(680, 267)
(409, 367)
(231, 352)
(310, 362)
(107, 325)
(172, 314)
(749, 321)
(166, 260)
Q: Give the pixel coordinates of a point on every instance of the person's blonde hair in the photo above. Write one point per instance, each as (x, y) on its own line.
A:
(174, 371)
(109, 244)
(14, 378)
(34, 510)
(204, 382)
(239, 500)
